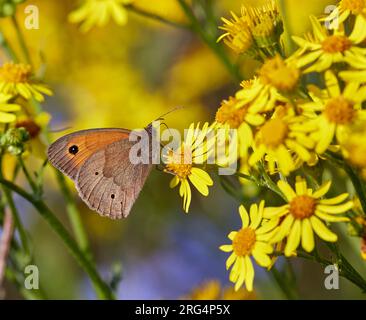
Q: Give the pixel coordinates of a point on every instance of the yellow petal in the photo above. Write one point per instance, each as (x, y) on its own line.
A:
(267, 226)
(286, 190)
(270, 212)
(199, 184)
(335, 209)
(261, 258)
(284, 229)
(322, 231)
(331, 82)
(330, 218)
(324, 188)
(293, 239)
(203, 175)
(335, 200)
(249, 278)
(230, 261)
(307, 236)
(242, 273)
(226, 248)
(244, 216)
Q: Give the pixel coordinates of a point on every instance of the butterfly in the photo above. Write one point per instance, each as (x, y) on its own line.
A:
(98, 162)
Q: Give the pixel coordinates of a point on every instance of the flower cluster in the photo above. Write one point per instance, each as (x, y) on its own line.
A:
(288, 123)
(19, 90)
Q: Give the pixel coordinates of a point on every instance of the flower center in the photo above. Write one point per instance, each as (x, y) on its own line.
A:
(179, 163)
(274, 132)
(340, 110)
(302, 207)
(276, 72)
(244, 242)
(229, 114)
(29, 125)
(356, 6)
(336, 43)
(12, 72)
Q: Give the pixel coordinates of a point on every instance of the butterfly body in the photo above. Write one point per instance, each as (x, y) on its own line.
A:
(98, 162)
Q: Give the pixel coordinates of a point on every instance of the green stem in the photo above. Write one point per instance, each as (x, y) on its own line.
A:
(21, 40)
(71, 208)
(266, 182)
(28, 294)
(358, 184)
(282, 283)
(74, 216)
(345, 268)
(210, 41)
(10, 202)
(103, 291)
(27, 175)
(283, 11)
(156, 17)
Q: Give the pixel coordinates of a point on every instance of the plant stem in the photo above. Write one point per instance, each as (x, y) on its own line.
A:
(103, 291)
(21, 40)
(10, 202)
(345, 268)
(74, 216)
(210, 41)
(156, 17)
(358, 184)
(71, 208)
(283, 11)
(27, 175)
(282, 283)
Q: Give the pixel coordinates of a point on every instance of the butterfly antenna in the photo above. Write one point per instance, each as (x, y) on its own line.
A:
(60, 130)
(170, 111)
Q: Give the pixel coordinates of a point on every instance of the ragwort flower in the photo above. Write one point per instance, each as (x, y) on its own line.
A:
(99, 12)
(250, 241)
(304, 214)
(17, 79)
(320, 50)
(184, 163)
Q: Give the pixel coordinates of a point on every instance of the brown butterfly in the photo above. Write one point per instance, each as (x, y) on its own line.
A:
(97, 160)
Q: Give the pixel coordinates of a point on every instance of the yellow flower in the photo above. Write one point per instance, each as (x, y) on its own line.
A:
(99, 12)
(237, 35)
(236, 115)
(16, 79)
(259, 96)
(183, 163)
(250, 241)
(209, 290)
(256, 28)
(346, 8)
(278, 73)
(320, 50)
(358, 61)
(354, 147)
(213, 290)
(281, 138)
(303, 215)
(7, 109)
(338, 112)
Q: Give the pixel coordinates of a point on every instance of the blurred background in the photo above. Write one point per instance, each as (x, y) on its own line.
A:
(126, 77)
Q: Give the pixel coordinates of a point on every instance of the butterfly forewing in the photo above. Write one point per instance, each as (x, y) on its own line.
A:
(109, 183)
(70, 152)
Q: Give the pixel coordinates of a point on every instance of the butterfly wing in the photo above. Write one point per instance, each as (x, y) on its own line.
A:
(109, 183)
(71, 151)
